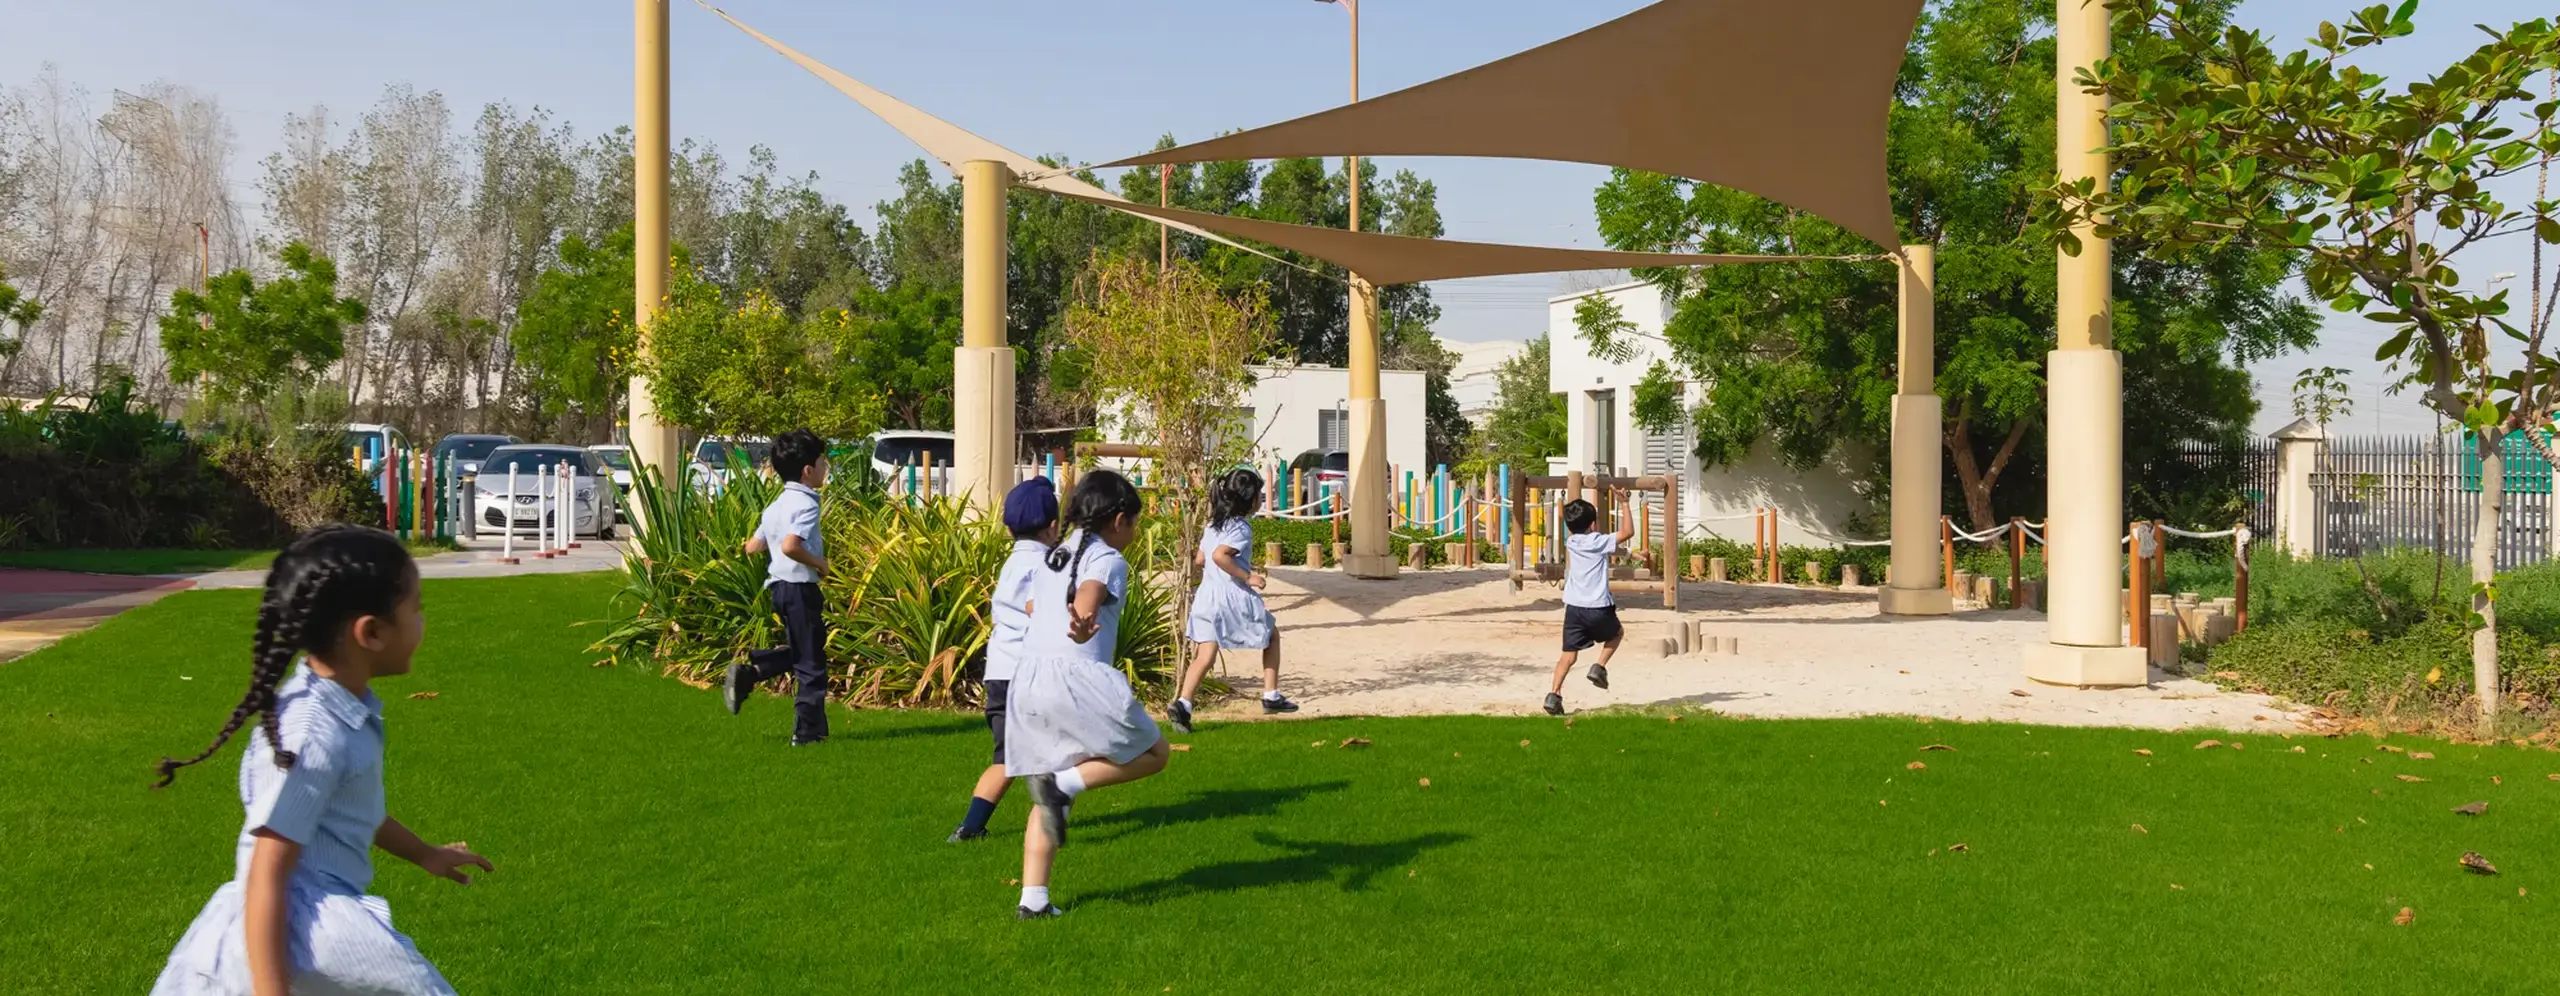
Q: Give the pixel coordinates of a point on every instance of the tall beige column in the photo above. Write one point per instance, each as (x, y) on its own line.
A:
(2084, 405)
(1370, 502)
(1918, 587)
(653, 442)
(982, 368)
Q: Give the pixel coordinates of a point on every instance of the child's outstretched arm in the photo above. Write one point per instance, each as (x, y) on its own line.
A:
(1626, 529)
(263, 916)
(442, 862)
(1083, 613)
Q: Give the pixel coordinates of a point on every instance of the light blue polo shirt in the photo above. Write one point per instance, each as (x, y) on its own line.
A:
(793, 513)
(330, 801)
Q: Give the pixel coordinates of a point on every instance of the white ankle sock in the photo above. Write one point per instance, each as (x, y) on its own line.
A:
(1272, 695)
(1070, 782)
(1035, 897)
(1184, 703)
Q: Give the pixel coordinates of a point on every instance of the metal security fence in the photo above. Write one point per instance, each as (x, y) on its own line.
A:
(2378, 492)
(2252, 467)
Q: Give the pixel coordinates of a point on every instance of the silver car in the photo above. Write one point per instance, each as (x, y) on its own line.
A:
(593, 506)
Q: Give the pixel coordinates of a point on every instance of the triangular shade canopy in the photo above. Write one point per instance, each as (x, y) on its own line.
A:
(1396, 259)
(1786, 99)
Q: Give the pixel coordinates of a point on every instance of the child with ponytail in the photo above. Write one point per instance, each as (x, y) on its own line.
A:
(1227, 611)
(295, 916)
(1072, 722)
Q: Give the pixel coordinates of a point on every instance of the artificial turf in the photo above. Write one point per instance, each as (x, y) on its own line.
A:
(647, 842)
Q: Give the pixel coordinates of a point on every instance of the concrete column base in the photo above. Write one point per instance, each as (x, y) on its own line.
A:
(2087, 667)
(1371, 566)
(1894, 601)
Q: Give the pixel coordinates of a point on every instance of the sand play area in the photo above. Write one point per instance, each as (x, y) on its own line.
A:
(1459, 641)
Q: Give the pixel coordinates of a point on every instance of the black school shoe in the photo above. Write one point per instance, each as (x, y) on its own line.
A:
(1600, 675)
(963, 835)
(1179, 716)
(1053, 803)
(1278, 705)
(735, 688)
(1043, 913)
(1555, 704)
(811, 742)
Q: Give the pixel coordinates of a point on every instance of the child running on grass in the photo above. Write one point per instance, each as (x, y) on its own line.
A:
(295, 916)
(1227, 611)
(1031, 514)
(789, 533)
(1590, 612)
(1072, 722)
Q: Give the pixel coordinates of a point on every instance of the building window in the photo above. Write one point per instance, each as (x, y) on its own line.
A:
(1333, 431)
(1604, 431)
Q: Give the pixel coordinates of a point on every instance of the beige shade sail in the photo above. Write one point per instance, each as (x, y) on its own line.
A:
(950, 143)
(1396, 259)
(1786, 99)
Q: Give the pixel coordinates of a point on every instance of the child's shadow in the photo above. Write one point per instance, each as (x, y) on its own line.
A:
(1307, 862)
(1215, 804)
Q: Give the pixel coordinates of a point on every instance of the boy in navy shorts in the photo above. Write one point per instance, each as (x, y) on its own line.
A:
(1590, 612)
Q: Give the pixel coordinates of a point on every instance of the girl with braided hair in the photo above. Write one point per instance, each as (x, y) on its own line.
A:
(1072, 723)
(1227, 612)
(295, 916)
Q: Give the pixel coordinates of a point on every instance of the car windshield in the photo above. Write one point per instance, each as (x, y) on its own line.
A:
(470, 447)
(719, 454)
(901, 450)
(616, 459)
(1338, 461)
(530, 461)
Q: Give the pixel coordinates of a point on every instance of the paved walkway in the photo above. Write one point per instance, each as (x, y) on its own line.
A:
(481, 558)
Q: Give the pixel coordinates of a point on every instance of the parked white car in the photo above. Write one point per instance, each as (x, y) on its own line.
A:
(595, 509)
(715, 455)
(894, 450)
(613, 460)
(367, 442)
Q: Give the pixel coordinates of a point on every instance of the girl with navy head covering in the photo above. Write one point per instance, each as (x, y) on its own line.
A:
(1031, 515)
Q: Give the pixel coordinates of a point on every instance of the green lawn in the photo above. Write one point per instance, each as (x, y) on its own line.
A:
(647, 842)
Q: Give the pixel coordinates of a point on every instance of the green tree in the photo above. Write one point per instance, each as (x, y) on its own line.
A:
(242, 341)
(753, 370)
(573, 337)
(16, 309)
(2320, 394)
(1800, 357)
(1527, 422)
(897, 346)
(2224, 145)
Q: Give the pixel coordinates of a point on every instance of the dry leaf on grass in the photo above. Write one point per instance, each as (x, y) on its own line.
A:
(2405, 917)
(2478, 865)
(1881, 802)
(2237, 745)
(1355, 741)
(2409, 778)
(1013, 881)
(695, 684)
(1958, 848)
(1675, 717)
(2388, 747)
(2208, 744)
(2021, 693)
(1456, 754)
(2144, 751)
(2555, 778)
(2137, 828)
(2495, 780)
(1182, 747)
(2177, 887)
(2472, 808)
(1937, 747)
(2297, 748)
(1426, 783)
(2421, 756)
(422, 695)
(1318, 743)
(1524, 743)
(1914, 766)
(1568, 724)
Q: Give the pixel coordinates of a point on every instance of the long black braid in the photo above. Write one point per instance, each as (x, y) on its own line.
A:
(1099, 498)
(322, 580)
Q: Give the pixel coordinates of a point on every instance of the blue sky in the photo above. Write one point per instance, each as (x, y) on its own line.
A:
(1090, 81)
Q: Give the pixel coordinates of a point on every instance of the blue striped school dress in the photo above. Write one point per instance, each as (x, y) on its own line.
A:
(1068, 702)
(331, 802)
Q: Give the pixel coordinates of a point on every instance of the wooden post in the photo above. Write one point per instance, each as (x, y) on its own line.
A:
(1947, 551)
(1670, 541)
(2240, 583)
(2138, 604)
(2160, 560)
(1777, 553)
(2017, 552)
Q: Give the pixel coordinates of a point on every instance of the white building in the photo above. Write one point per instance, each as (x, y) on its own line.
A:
(1296, 409)
(1471, 380)
(1602, 434)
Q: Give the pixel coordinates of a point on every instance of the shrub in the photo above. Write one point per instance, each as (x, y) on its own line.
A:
(2423, 672)
(906, 599)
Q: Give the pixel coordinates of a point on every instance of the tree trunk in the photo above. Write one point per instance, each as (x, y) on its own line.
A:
(2484, 569)
(1971, 478)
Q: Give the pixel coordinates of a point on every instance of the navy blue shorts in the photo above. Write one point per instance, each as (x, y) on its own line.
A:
(995, 715)
(1586, 627)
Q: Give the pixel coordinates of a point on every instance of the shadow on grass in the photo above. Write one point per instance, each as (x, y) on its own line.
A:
(1217, 804)
(955, 726)
(1307, 862)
